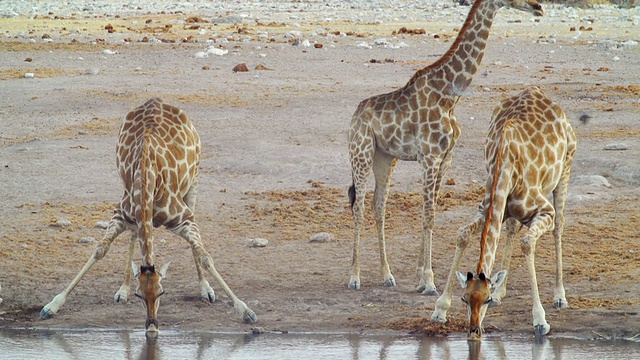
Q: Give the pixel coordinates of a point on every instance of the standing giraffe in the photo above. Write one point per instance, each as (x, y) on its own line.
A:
(416, 123)
(158, 155)
(528, 152)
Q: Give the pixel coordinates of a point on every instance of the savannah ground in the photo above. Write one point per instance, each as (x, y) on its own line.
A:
(275, 164)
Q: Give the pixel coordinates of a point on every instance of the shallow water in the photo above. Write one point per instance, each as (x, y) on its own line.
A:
(120, 344)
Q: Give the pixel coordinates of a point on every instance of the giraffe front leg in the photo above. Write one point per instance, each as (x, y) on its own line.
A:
(122, 295)
(206, 291)
(444, 301)
(429, 209)
(115, 228)
(189, 231)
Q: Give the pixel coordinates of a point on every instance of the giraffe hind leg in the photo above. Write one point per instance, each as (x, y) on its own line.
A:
(383, 167)
(541, 223)
(512, 227)
(361, 169)
(122, 295)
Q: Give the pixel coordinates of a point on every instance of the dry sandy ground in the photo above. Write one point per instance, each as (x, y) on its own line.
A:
(275, 166)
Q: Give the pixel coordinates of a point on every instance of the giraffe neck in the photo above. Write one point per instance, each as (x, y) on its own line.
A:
(454, 71)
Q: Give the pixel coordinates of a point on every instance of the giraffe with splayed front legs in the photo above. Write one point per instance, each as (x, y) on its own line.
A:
(158, 154)
(528, 152)
(416, 123)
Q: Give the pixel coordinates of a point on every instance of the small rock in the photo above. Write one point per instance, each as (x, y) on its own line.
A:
(102, 224)
(591, 180)
(200, 55)
(217, 51)
(262, 67)
(87, 240)
(256, 242)
(28, 59)
(616, 146)
(258, 330)
(318, 46)
(92, 71)
(306, 43)
(615, 58)
(240, 68)
(62, 223)
(109, 52)
(321, 237)
(29, 75)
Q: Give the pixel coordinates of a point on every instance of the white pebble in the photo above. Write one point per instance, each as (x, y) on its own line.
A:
(200, 55)
(217, 51)
(109, 52)
(102, 224)
(615, 58)
(321, 237)
(29, 75)
(87, 240)
(306, 43)
(256, 242)
(62, 222)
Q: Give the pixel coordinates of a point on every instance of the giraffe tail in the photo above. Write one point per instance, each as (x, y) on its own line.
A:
(352, 195)
(146, 200)
(497, 171)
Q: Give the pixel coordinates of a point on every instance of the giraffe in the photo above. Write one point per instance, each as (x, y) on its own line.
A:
(417, 123)
(528, 151)
(158, 154)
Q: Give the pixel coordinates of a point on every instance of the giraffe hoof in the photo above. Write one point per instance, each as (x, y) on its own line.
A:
(495, 302)
(46, 313)
(420, 288)
(390, 282)
(120, 298)
(430, 292)
(560, 304)
(209, 297)
(354, 285)
(250, 317)
(542, 329)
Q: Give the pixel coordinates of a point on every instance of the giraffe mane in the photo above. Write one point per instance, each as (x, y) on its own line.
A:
(144, 228)
(494, 186)
(445, 58)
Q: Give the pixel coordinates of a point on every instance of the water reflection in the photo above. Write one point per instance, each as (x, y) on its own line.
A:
(115, 344)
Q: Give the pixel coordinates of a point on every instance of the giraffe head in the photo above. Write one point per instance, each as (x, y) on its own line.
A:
(477, 296)
(530, 6)
(149, 291)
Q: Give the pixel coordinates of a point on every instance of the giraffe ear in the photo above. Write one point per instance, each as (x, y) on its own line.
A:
(463, 279)
(482, 277)
(498, 278)
(163, 270)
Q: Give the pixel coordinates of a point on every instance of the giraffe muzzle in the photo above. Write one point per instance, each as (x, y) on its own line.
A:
(151, 325)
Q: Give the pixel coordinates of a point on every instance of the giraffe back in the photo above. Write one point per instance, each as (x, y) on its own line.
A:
(534, 139)
(158, 154)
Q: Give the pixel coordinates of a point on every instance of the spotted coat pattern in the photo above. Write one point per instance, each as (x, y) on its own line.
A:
(529, 152)
(417, 123)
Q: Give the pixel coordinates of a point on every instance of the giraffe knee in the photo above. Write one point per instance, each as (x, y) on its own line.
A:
(526, 246)
(206, 262)
(100, 252)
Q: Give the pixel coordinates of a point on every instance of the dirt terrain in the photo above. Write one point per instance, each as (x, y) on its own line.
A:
(275, 166)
